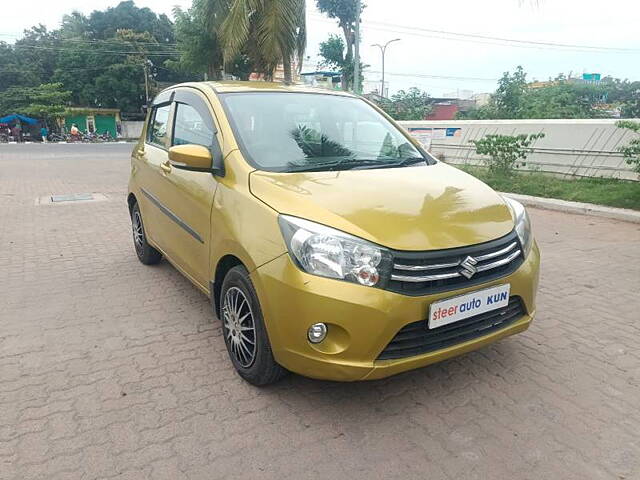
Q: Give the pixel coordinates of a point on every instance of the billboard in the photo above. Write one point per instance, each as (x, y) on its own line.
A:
(425, 135)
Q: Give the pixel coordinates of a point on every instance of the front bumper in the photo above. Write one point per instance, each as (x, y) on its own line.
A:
(362, 320)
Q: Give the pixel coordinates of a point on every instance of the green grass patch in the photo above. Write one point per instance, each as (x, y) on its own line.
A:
(601, 191)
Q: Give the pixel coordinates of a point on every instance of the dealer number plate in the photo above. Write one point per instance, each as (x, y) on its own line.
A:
(454, 309)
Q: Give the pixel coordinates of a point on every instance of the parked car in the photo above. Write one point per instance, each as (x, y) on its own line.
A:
(330, 243)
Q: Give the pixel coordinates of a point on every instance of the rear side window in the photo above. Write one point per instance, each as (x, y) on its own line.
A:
(191, 128)
(158, 129)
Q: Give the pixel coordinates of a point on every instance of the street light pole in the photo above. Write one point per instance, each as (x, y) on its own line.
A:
(356, 66)
(383, 49)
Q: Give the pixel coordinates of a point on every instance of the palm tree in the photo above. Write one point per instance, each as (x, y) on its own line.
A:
(270, 31)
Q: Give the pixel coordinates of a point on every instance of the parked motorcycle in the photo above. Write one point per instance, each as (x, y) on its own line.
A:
(58, 137)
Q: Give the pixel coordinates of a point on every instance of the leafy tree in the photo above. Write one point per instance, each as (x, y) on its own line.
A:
(624, 93)
(507, 101)
(413, 104)
(198, 37)
(102, 77)
(198, 43)
(75, 26)
(36, 54)
(103, 25)
(485, 112)
(563, 100)
(121, 86)
(630, 108)
(509, 95)
(631, 152)
(346, 13)
(241, 66)
(13, 70)
(47, 101)
(332, 52)
(277, 29)
(505, 150)
(102, 56)
(91, 55)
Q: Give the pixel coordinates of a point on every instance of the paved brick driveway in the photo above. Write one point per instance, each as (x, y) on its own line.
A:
(109, 369)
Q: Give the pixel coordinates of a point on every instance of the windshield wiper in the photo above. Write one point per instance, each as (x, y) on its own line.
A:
(350, 163)
(405, 162)
(342, 164)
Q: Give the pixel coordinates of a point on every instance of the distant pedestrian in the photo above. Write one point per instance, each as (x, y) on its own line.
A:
(75, 133)
(44, 133)
(16, 133)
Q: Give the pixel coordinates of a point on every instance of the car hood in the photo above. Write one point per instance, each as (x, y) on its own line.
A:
(412, 208)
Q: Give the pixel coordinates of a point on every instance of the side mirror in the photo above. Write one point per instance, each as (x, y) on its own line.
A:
(191, 157)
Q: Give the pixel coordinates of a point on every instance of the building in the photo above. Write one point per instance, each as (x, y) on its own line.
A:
(278, 74)
(443, 111)
(329, 80)
(447, 108)
(98, 120)
(481, 99)
(590, 78)
(461, 94)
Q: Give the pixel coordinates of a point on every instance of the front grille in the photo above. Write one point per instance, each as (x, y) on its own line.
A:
(415, 338)
(423, 273)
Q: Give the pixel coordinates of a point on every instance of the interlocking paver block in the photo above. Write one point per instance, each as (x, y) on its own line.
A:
(104, 375)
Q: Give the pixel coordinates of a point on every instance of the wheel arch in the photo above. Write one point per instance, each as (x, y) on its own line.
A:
(226, 263)
(131, 201)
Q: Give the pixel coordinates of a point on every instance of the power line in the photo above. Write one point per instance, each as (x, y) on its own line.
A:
(97, 41)
(433, 33)
(511, 40)
(65, 49)
(439, 77)
(78, 69)
(486, 39)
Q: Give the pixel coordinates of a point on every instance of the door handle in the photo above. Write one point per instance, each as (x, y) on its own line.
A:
(166, 167)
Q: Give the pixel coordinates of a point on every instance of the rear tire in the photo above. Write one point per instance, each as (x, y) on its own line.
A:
(145, 252)
(244, 332)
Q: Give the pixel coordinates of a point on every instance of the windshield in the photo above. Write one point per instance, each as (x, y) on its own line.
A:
(290, 132)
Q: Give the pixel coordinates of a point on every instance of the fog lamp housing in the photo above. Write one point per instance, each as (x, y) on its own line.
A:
(317, 332)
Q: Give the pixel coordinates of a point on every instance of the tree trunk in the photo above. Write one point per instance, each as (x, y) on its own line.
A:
(348, 59)
(348, 39)
(213, 72)
(286, 66)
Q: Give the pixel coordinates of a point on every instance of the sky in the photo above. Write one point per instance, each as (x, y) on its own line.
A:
(427, 59)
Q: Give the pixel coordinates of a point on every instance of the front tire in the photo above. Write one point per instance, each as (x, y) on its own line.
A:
(145, 252)
(244, 332)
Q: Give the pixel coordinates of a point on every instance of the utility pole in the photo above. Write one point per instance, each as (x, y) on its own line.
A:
(383, 49)
(146, 82)
(356, 66)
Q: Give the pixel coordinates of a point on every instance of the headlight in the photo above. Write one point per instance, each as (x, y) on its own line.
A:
(330, 253)
(523, 224)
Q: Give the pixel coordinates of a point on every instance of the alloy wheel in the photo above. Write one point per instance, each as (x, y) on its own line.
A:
(138, 232)
(239, 326)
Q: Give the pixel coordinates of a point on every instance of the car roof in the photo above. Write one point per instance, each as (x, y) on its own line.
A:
(259, 86)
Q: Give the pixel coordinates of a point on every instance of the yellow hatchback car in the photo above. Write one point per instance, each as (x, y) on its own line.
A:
(329, 242)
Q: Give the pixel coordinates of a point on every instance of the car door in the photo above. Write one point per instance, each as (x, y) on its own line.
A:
(185, 197)
(150, 158)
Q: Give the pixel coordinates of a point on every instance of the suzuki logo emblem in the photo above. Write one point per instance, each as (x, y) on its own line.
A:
(469, 267)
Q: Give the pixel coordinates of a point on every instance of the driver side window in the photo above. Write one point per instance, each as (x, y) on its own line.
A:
(158, 126)
(191, 128)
